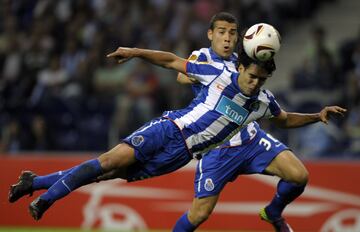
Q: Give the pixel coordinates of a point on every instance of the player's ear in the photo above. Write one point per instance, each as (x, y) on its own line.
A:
(241, 68)
(210, 34)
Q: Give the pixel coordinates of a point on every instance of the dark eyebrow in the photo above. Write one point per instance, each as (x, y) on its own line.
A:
(224, 28)
(259, 77)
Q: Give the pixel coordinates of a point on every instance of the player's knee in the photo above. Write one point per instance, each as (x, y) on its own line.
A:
(120, 156)
(200, 215)
(300, 176)
(106, 162)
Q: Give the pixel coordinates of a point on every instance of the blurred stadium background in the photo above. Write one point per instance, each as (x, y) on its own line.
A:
(60, 97)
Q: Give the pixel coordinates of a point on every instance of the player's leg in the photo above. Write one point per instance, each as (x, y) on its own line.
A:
(294, 178)
(137, 158)
(289, 168)
(199, 212)
(213, 172)
(29, 182)
(117, 158)
(269, 156)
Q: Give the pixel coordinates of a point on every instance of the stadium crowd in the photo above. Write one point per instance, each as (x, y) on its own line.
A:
(58, 92)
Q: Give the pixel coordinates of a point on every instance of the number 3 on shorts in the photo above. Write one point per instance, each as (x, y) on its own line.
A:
(266, 143)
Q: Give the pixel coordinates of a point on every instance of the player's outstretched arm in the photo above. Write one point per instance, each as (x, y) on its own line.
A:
(164, 59)
(293, 120)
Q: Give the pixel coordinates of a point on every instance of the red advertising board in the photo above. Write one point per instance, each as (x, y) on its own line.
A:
(331, 201)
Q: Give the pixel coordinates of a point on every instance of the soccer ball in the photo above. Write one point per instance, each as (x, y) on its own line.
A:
(261, 42)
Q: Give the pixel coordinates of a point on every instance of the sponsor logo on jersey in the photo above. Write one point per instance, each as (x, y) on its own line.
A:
(209, 185)
(232, 110)
(137, 140)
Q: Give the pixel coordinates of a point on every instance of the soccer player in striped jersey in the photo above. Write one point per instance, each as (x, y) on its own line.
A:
(249, 151)
(165, 144)
(223, 36)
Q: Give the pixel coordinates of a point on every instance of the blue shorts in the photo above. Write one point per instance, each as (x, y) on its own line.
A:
(159, 148)
(220, 166)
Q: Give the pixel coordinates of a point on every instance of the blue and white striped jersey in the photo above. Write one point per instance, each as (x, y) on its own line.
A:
(220, 110)
(207, 55)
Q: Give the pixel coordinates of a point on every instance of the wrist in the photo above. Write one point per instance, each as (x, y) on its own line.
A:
(137, 52)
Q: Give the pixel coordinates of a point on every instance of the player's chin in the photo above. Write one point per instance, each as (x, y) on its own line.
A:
(225, 54)
(252, 92)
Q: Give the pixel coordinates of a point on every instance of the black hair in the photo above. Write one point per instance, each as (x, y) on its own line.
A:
(246, 61)
(223, 16)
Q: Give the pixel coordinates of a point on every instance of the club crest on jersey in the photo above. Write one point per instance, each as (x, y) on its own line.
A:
(255, 106)
(232, 110)
(209, 185)
(137, 140)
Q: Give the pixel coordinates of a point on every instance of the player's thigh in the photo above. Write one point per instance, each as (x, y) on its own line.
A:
(288, 167)
(201, 208)
(120, 156)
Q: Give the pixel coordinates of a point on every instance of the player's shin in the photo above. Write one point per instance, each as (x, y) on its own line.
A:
(45, 182)
(76, 177)
(286, 193)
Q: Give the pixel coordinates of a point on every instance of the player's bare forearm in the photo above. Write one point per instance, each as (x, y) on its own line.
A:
(293, 120)
(161, 58)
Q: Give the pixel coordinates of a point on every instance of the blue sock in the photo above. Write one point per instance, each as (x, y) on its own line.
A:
(45, 182)
(76, 177)
(286, 193)
(183, 224)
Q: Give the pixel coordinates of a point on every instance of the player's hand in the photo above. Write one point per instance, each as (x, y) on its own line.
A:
(329, 111)
(122, 54)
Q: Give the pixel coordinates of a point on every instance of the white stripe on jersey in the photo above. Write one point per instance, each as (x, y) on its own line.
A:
(210, 132)
(197, 112)
(206, 79)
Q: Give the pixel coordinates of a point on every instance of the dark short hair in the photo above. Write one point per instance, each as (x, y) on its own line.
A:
(223, 16)
(246, 61)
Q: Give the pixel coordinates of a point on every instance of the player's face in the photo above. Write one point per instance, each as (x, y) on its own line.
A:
(252, 79)
(223, 38)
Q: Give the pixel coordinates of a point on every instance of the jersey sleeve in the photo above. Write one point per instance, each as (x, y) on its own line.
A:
(201, 68)
(203, 72)
(274, 107)
(197, 56)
